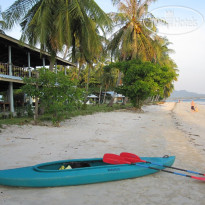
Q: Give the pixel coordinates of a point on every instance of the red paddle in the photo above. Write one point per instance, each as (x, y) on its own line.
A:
(133, 158)
(116, 159)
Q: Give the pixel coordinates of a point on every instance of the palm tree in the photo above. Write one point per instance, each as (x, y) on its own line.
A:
(133, 40)
(100, 71)
(2, 23)
(54, 24)
(89, 66)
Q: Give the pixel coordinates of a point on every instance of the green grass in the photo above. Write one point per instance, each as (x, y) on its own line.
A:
(90, 109)
(15, 121)
(94, 109)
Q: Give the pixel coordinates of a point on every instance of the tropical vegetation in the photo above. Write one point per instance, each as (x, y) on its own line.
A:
(118, 51)
(57, 93)
(132, 40)
(55, 24)
(143, 80)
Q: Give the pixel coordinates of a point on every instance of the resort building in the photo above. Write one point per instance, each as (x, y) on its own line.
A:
(18, 60)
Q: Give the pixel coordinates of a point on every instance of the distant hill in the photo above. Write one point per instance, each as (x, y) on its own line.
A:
(183, 94)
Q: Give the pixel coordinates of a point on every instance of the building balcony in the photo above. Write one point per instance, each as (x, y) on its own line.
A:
(16, 71)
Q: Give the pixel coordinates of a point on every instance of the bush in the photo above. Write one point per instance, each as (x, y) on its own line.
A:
(143, 80)
(56, 92)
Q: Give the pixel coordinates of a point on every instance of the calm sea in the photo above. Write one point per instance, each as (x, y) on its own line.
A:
(200, 101)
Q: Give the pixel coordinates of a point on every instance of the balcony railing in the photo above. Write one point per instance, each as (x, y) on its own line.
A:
(4, 68)
(16, 71)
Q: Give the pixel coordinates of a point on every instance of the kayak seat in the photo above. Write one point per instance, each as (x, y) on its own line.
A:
(77, 164)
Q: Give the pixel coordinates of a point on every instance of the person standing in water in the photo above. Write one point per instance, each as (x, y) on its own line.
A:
(192, 105)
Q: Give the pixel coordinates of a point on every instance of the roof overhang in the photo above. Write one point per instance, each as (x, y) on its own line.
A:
(19, 53)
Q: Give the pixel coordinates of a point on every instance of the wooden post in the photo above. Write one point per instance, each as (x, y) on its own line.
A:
(44, 62)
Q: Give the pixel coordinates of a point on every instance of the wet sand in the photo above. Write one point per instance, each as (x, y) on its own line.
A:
(169, 129)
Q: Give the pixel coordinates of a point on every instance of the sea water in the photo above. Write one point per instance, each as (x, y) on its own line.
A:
(200, 101)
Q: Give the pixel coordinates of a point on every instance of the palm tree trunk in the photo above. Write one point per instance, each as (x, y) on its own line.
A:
(100, 95)
(51, 66)
(52, 60)
(73, 50)
(87, 85)
(110, 104)
(88, 80)
(134, 53)
(79, 71)
(80, 66)
(105, 94)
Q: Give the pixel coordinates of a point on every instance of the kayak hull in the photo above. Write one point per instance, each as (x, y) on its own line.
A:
(49, 175)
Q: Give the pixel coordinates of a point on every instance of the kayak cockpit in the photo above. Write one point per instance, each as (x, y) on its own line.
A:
(68, 165)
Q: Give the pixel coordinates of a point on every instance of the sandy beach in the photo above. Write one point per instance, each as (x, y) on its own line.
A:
(168, 129)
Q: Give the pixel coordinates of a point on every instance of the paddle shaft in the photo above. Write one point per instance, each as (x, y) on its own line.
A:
(185, 175)
(134, 159)
(184, 170)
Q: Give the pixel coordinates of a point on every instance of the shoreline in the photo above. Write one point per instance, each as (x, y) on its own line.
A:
(191, 123)
(162, 129)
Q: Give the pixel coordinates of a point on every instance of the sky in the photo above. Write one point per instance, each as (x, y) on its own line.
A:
(189, 45)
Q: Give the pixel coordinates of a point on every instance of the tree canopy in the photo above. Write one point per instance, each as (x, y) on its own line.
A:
(54, 24)
(142, 80)
(132, 40)
(81, 26)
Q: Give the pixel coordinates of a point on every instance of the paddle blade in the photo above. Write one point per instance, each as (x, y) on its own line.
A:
(131, 157)
(132, 160)
(114, 159)
(198, 178)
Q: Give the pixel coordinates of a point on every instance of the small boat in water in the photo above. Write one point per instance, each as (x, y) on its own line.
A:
(77, 172)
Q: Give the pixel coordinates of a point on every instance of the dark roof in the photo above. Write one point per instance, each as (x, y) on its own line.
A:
(20, 50)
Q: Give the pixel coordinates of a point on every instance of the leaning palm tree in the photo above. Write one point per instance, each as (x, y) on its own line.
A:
(133, 40)
(54, 24)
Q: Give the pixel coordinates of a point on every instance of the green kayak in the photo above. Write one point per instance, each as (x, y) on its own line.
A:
(77, 172)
